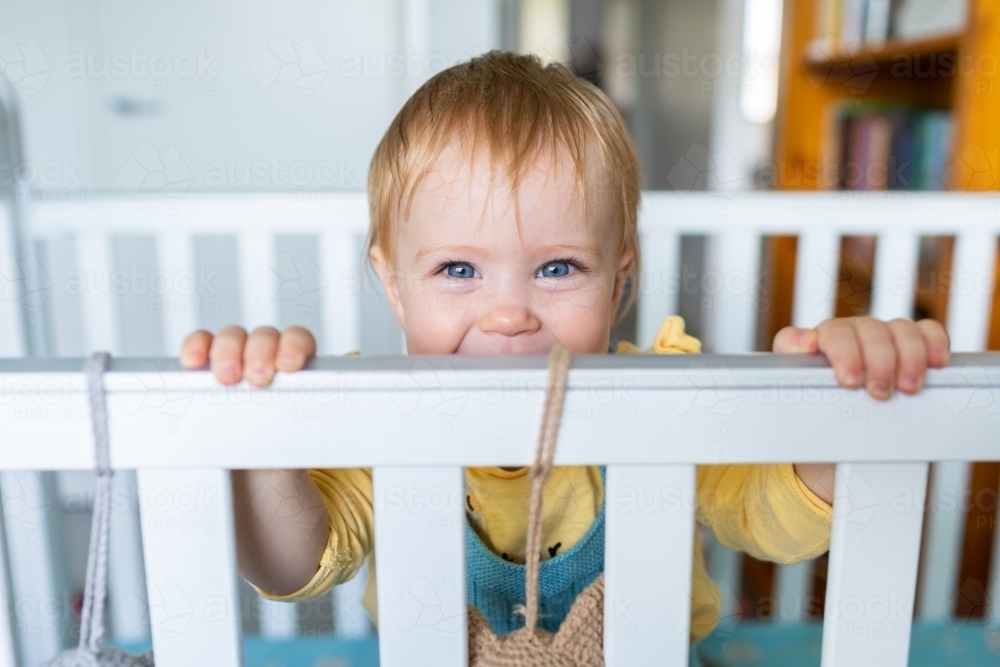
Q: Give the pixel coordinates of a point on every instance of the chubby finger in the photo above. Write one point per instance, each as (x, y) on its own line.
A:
(879, 356)
(838, 340)
(795, 340)
(911, 355)
(937, 341)
(226, 355)
(258, 356)
(295, 347)
(194, 349)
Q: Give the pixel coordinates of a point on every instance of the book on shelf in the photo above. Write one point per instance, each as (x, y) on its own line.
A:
(882, 147)
(851, 23)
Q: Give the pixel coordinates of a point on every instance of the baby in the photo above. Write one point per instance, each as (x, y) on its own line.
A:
(504, 203)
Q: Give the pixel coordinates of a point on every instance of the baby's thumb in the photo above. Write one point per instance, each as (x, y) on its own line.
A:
(795, 340)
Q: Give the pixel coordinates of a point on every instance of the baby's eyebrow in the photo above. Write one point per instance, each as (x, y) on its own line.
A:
(451, 249)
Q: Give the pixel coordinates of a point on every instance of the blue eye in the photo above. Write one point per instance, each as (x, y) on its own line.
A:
(554, 270)
(461, 270)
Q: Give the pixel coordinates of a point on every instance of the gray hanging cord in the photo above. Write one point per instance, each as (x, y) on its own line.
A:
(90, 653)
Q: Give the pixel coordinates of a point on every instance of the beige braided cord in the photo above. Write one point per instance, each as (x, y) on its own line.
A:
(555, 394)
(580, 640)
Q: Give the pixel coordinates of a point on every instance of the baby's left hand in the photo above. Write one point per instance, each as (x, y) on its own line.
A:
(881, 355)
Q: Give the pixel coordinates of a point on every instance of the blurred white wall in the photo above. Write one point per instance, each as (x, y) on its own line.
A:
(222, 94)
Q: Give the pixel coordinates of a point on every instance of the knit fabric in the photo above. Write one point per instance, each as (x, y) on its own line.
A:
(496, 586)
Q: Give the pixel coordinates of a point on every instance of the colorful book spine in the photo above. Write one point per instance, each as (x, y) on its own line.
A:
(894, 149)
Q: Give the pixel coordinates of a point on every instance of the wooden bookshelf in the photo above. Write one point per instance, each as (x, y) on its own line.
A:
(955, 71)
(820, 79)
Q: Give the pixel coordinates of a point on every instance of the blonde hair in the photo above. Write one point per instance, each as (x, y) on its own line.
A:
(520, 109)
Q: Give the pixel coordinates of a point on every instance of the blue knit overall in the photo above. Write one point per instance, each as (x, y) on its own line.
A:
(495, 585)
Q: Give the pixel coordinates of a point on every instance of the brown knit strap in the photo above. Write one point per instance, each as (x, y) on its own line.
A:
(555, 393)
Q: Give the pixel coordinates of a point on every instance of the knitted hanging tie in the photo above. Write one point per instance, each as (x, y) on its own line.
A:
(90, 652)
(580, 639)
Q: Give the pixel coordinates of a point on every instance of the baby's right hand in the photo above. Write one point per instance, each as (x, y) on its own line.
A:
(234, 355)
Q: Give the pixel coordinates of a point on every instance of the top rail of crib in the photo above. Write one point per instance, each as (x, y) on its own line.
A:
(621, 409)
(859, 213)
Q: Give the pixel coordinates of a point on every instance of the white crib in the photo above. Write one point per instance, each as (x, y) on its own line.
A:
(416, 418)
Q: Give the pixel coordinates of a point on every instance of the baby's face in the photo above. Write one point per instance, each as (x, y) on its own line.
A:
(466, 280)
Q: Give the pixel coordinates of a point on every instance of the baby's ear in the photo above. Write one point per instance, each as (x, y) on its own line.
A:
(388, 279)
(624, 268)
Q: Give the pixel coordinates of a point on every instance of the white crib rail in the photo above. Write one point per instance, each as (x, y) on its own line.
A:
(874, 549)
(338, 223)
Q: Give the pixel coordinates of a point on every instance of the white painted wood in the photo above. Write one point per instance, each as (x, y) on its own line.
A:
(781, 213)
(259, 280)
(400, 411)
(420, 532)
(817, 266)
(969, 306)
(98, 302)
(8, 637)
(921, 213)
(659, 284)
(350, 616)
(649, 543)
(972, 285)
(12, 343)
(341, 265)
(793, 587)
(127, 605)
(38, 586)
(725, 568)
(942, 554)
(872, 576)
(187, 532)
(179, 304)
(278, 620)
(730, 303)
(994, 583)
(894, 277)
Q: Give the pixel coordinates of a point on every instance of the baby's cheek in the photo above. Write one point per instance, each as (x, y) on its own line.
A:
(583, 327)
(434, 325)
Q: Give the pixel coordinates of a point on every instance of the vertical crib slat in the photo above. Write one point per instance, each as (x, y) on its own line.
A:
(657, 296)
(817, 263)
(729, 327)
(98, 303)
(969, 305)
(8, 637)
(994, 583)
(258, 280)
(731, 285)
(649, 545)
(190, 558)
(894, 277)
(179, 305)
(36, 573)
(874, 549)
(875, 544)
(340, 264)
(12, 325)
(420, 564)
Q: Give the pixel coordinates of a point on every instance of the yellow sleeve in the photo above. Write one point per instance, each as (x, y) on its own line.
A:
(348, 497)
(762, 509)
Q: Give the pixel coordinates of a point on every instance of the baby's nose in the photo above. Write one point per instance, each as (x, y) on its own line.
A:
(509, 319)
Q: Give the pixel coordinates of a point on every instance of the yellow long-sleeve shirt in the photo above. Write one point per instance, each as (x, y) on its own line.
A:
(764, 510)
